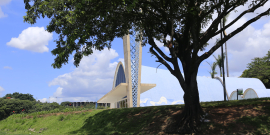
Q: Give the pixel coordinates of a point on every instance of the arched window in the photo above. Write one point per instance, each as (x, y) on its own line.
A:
(120, 76)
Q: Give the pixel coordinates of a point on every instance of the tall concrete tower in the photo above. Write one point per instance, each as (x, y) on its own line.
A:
(133, 61)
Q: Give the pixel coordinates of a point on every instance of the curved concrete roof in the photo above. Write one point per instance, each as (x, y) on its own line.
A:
(168, 90)
(233, 83)
(263, 92)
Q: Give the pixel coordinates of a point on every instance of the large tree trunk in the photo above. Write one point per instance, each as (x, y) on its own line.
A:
(189, 121)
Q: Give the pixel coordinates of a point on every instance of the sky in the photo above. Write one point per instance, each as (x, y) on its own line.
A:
(26, 58)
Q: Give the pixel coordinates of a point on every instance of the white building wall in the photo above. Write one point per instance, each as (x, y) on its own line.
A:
(168, 90)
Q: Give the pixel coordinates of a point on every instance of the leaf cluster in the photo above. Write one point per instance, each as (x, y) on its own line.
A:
(213, 71)
(7, 106)
(259, 68)
(20, 96)
(93, 23)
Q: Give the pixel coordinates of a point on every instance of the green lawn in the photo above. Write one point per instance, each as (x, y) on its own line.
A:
(141, 120)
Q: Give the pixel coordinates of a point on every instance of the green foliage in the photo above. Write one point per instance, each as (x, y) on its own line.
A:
(219, 62)
(213, 69)
(61, 117)
(7, 107)
(20, 96)
(66, 103)
(259, 68)
(54, 105)
(87, 22)
(50, 106)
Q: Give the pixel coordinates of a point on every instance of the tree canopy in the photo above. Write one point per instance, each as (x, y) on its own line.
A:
(95, 23)
(20, 96)
(259, 68)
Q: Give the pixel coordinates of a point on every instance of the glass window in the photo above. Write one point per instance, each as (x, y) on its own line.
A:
(120, 76)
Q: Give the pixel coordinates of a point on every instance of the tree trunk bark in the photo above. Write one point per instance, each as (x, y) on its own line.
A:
(189, 121)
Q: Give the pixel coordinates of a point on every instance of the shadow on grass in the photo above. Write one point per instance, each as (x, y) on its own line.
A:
(247, 124)
(260, 123)
(141, 120)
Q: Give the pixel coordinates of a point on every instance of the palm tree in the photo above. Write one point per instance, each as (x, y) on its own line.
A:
(219, 62)
(213, 67)
(223, 25)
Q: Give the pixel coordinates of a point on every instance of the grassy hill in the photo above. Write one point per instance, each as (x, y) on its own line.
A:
(231, 117)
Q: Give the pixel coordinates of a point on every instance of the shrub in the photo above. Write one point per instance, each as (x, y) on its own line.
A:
(61, 117)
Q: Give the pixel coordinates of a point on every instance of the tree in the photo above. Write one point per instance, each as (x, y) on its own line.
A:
(219, 62)
(66, 103)
(223, 22)
(94, 23)
(213, 67)
(259, 68)
(20, 96)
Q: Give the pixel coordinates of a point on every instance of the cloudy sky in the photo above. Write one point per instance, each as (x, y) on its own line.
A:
(25, 57)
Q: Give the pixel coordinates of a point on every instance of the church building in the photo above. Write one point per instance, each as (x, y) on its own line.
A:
(135, 85)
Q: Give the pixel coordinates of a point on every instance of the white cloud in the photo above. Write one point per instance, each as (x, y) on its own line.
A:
(161, 100)
(178, 102)
(242, 48)
(34, 39)
(1, 90)
(3, 2)
(2, 14)
(160, 44)
(58, 92)
(90, 81)
(7, 67)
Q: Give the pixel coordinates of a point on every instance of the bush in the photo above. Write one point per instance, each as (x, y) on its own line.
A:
(7, 107)
(61, 117)
(66, 103)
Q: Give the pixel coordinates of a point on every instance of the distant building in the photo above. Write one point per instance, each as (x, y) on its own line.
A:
(160, 87)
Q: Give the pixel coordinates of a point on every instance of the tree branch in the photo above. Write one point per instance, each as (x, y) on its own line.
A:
(242, 14)
(161, 60)
(214, 26)
(214, 48)
(210, 11)
(151, 42)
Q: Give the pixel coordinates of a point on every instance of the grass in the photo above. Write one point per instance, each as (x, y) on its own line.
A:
(141, 120)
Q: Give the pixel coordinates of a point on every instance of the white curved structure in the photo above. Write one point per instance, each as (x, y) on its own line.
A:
(164, 88)
(160, 87)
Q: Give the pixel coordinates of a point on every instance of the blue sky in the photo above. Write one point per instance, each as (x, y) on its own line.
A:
(25, 57)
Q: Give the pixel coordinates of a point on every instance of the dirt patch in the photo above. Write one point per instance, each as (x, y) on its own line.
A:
(227, 117)
(222, 120)
(230, 114)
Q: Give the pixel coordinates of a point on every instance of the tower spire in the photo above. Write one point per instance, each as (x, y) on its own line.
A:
(133, 58)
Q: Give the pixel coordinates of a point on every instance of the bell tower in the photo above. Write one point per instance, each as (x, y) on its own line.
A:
(133, 61)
